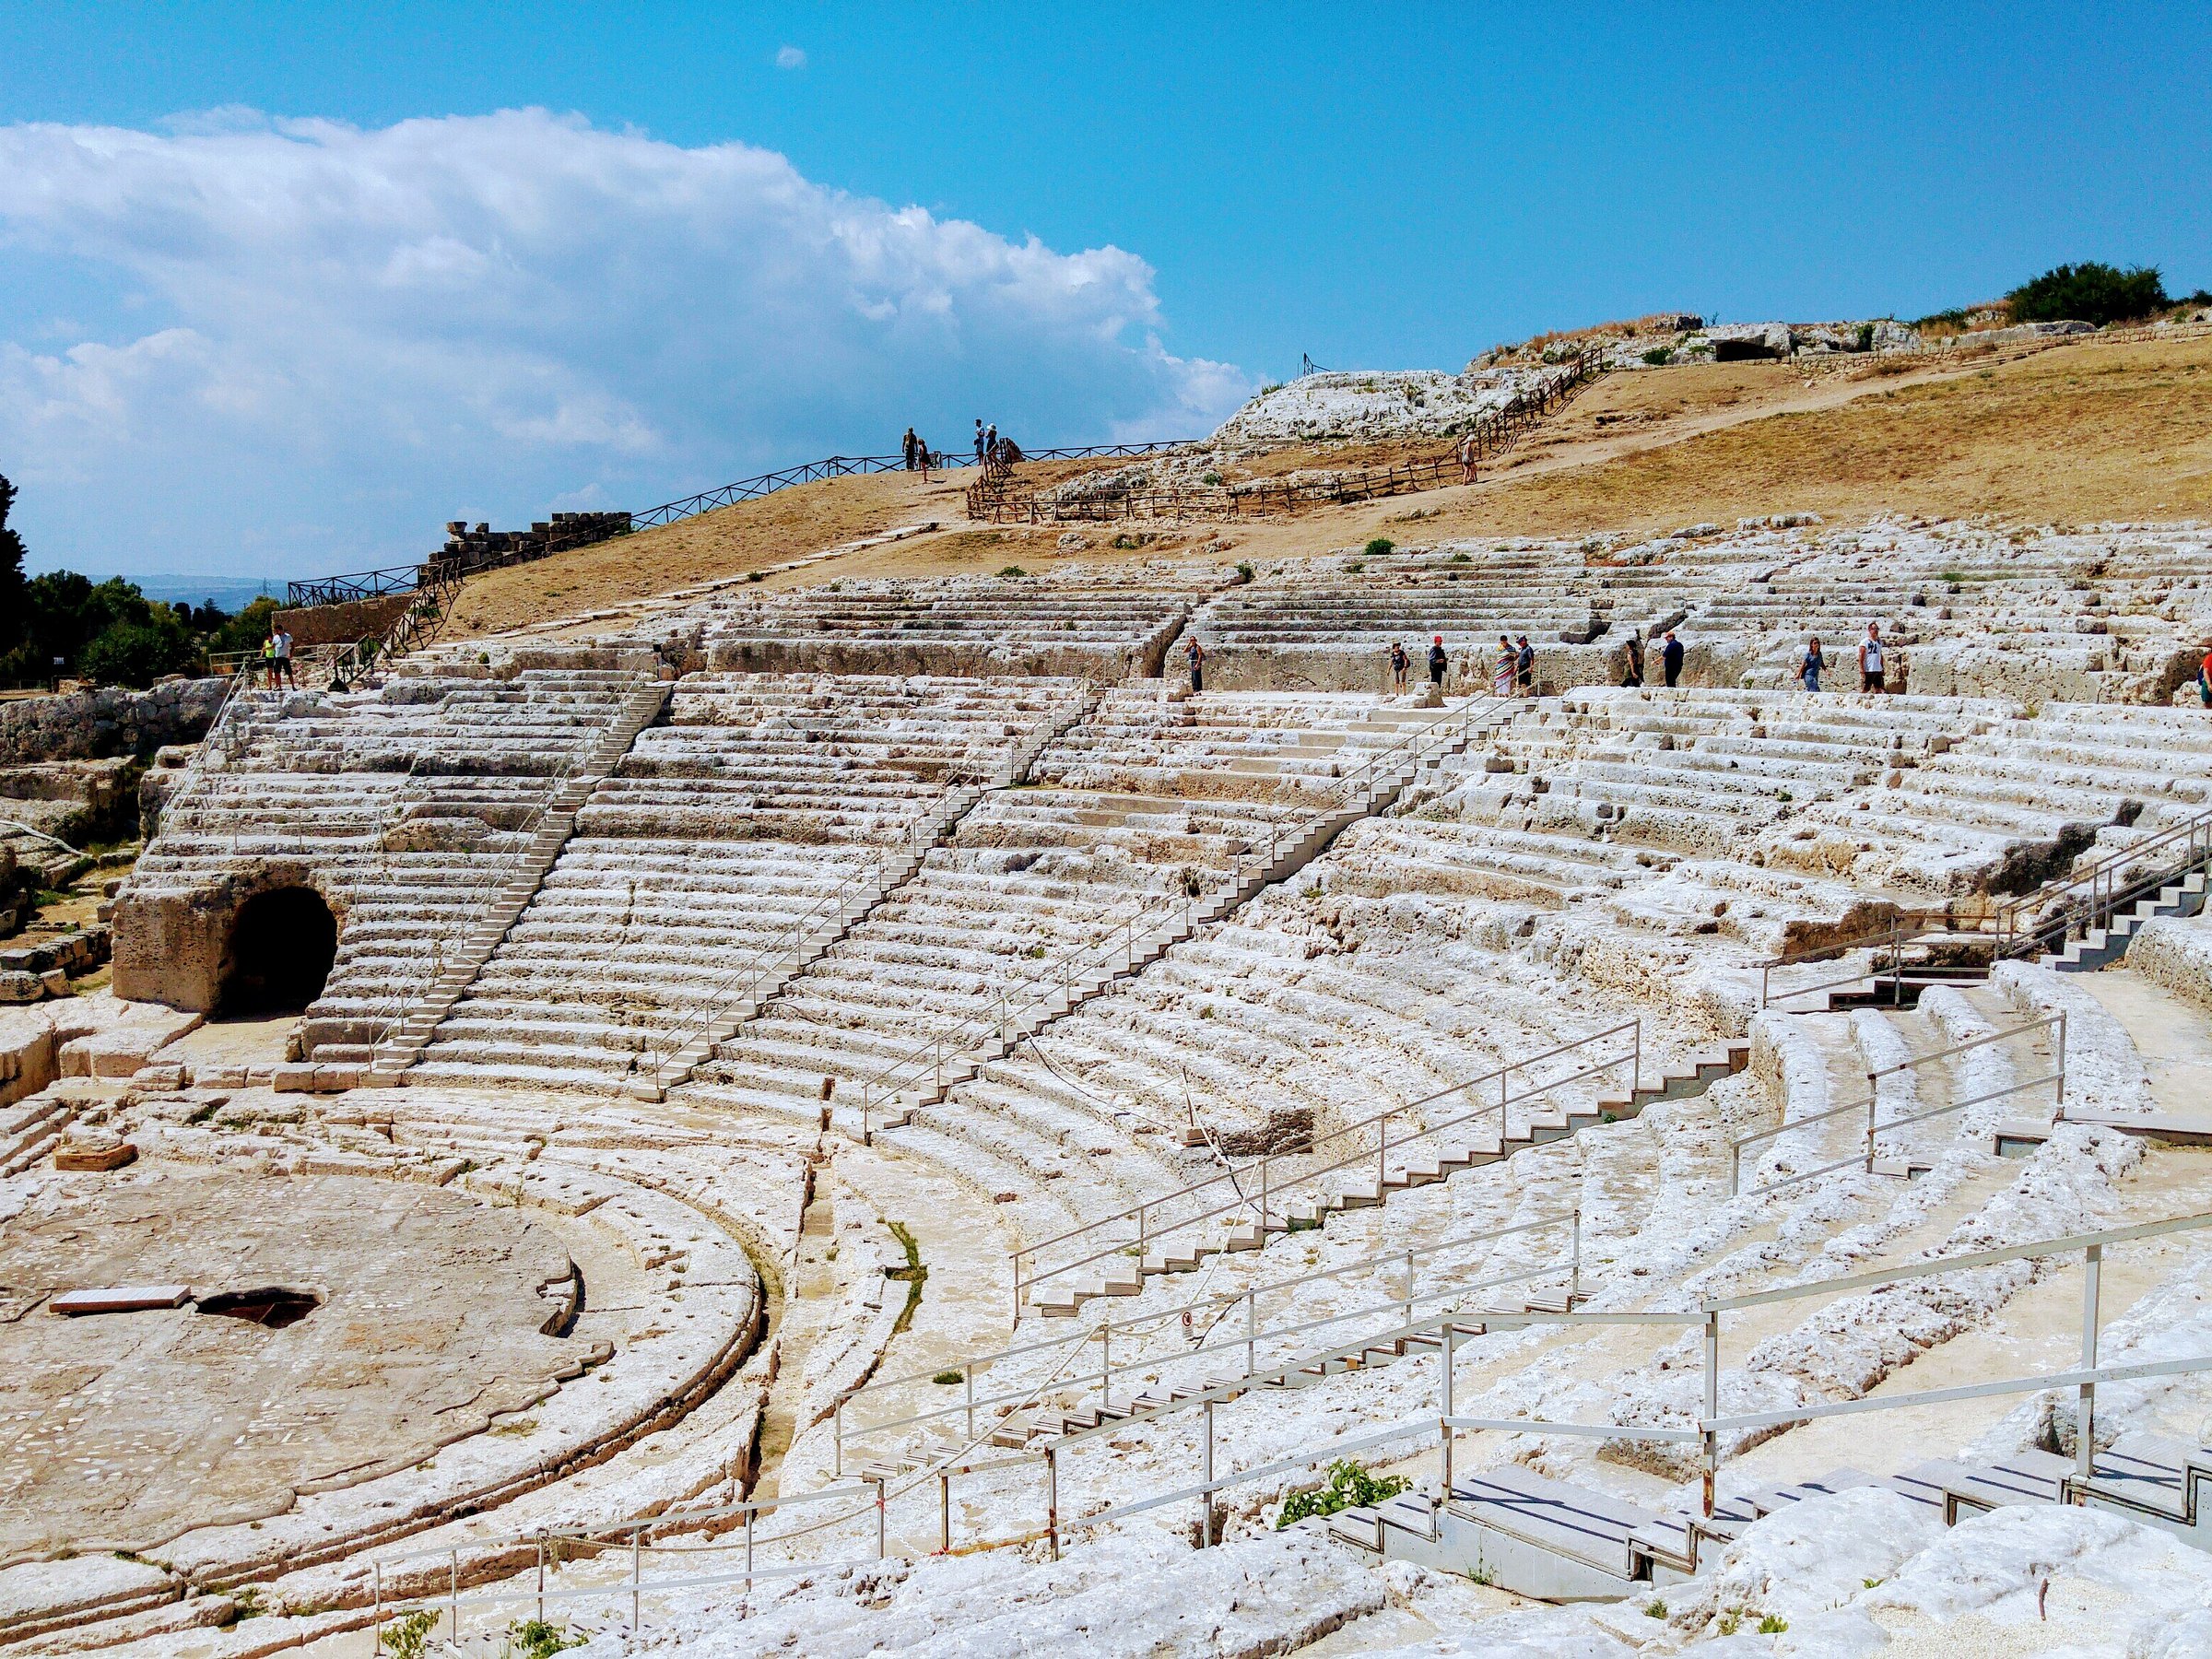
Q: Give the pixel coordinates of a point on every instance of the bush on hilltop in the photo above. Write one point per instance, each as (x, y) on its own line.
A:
(2090, 292)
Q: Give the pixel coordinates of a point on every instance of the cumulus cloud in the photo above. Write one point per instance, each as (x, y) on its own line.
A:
(790, 57)
(311, 343)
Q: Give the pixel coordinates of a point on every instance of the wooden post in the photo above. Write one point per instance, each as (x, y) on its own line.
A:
(1051, 1500)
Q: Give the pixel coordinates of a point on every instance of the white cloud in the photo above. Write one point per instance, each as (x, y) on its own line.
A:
(320, 341)
(790, 57)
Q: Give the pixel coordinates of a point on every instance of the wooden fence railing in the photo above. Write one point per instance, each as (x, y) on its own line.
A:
(998, 497)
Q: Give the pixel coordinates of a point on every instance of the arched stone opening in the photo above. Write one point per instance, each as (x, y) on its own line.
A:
(282, 944)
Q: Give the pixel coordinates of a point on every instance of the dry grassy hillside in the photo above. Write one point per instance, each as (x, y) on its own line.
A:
(2067, 435)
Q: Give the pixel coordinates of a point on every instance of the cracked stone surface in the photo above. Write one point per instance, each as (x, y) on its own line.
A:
(130, 1428)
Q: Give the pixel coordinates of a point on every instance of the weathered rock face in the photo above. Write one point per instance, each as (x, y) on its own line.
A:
(344, 624)
(98, 725)
(175, 947)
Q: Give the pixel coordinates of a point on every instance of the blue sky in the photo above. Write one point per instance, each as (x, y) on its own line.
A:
(242, 356)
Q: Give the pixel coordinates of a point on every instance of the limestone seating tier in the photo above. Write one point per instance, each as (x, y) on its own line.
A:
(639, 934)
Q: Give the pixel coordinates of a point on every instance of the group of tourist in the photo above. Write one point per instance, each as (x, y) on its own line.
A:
(993, 450)
(917, 454)
(1873, 665)
(277, 658)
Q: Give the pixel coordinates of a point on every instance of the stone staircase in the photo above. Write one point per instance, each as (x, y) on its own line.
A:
(1145, 936)
(2095, 947)
(1474, 1148)
(1037, 1430)
(404, 1044)
(1559, 1541)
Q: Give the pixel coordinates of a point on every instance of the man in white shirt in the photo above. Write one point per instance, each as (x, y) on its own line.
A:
(1871, 666)
(281, 658)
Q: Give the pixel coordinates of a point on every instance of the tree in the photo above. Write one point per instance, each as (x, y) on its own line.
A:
(2090, 292)
(14, 610)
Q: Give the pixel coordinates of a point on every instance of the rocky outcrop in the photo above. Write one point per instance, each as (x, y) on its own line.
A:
(109, 722)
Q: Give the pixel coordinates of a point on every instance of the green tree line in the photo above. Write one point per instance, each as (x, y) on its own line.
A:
(108, 631)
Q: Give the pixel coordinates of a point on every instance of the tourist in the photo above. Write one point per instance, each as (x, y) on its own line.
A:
(978, 439)
(1439, 660)
(922, 456)
(991, 442)
(1501, 671)
(282, 643)
(1401, 665)
(1466, 459)
(2204, 679)
(1524, 667)
(268, 661)
(1196, 655)
(1810, 665)
(1671, 658)
(1633, 675)
(911, 444)
(1870, 659)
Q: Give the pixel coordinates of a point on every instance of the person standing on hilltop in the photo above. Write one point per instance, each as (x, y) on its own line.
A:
(1466, 458)
(911, 443)
(978, 439)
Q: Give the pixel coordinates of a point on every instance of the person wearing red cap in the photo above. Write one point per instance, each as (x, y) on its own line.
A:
(1439, 660)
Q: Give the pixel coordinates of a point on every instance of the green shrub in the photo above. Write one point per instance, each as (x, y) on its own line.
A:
(1013, 570)
(1380, 546)
(534, 1639)
(1773, 1625)
(139, 654)
(1865, 336)
(1659, 355)
(2090, 292)
(949, 1379)
(1212, 480)
(1349, 1485)
(405, 1637)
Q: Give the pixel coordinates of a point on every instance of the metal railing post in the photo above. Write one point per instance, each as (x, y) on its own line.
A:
(1574, 1282)
(541, 1579)
(970, 1369)
(376, 1629)
(1105, 1364)
(453, 1598)
(2085, 1424)
(1205, 1518)
(838, 1441)
(882, 1505)
(1051, 1500)
(1450, 1335)
(944, 1511)
(637, 1583)
(1872, 1090)
(1711, 1436)
(1252, 1330)
(2059, 1087)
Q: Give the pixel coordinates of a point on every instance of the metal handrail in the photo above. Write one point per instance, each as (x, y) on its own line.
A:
(1894, 936)
(486, 892)
(1272, 1187)
(2101, 887)
(1249, 1338)
(1868, 1105)
(1441, 1427)
(1059, 972)
(790, 938)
